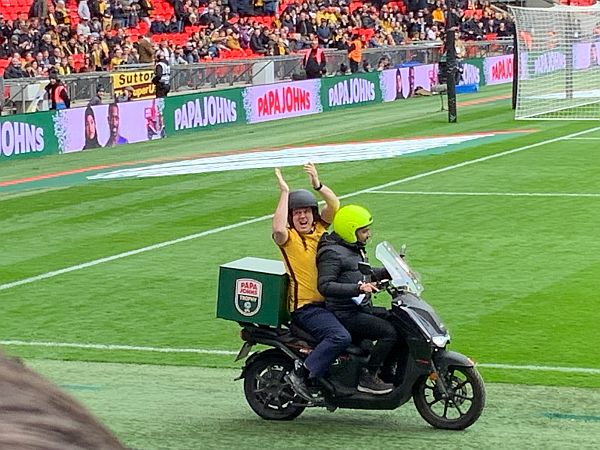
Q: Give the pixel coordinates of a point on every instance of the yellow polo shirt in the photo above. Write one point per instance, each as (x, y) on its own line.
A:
(299, 256)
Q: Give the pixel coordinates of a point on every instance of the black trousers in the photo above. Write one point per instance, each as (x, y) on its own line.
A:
(363, 325)
(162, 90)
(312, 75)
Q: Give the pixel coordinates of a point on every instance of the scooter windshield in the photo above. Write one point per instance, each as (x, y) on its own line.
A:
(399, 270)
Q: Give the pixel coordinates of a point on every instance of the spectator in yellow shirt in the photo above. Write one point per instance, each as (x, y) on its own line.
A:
(438, 15)
(117, 58)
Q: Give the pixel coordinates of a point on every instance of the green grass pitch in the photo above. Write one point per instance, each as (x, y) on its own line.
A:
(513, 274)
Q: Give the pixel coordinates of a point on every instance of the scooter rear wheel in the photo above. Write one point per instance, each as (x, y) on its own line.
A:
(463, 406)
(267, 392)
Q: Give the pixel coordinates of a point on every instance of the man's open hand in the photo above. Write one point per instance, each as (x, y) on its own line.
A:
(313, 175)
(283, 186)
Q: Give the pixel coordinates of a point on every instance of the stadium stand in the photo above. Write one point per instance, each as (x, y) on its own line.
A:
(193, 31)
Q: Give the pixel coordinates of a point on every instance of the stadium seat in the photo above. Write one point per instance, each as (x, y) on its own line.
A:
(355, 5)
(163, 10)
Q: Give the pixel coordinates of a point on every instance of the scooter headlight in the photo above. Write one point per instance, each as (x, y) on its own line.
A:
(440, 341)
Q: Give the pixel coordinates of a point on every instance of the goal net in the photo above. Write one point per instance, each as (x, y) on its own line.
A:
(559, 63)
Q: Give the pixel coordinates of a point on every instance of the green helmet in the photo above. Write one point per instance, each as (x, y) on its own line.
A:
(349, 219)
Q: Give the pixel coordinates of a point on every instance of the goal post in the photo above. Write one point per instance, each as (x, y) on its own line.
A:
(558, 76)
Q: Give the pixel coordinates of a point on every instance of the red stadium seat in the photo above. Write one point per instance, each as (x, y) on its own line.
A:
(355, 5)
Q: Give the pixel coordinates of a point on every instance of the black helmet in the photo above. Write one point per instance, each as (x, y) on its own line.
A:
(302, 199)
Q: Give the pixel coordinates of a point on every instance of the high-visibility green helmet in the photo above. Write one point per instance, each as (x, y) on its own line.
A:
(349, 219)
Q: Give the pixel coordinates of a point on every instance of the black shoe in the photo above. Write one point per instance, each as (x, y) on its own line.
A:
(299, 384)
(387, 374)
(371, 384)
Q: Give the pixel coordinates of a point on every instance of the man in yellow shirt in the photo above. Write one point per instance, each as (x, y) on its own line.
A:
(297, 228)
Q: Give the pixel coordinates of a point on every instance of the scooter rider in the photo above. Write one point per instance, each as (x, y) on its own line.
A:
(348, 292)
(297, 228)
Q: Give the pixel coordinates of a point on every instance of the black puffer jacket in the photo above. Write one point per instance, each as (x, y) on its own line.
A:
(339, 272)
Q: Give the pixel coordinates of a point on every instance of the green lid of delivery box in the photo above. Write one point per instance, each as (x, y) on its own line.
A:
(253, 290)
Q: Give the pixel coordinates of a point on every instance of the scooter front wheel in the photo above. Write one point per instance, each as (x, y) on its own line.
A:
(463, 405)
(267, 392)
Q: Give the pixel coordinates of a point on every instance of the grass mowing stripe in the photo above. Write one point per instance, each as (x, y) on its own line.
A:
(478, 160)
(584, 370)
(166, 407)
(583, 417)
(129, 253)
(246, 222)
(491, 194)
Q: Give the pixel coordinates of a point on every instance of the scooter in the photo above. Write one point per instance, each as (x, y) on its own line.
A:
(446, 388)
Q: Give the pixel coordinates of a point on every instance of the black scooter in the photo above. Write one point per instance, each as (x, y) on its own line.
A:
(445, 386)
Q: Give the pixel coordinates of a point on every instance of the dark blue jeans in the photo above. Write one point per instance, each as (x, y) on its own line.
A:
(326, 328)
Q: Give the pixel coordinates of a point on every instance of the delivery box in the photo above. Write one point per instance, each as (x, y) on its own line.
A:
(253, 290)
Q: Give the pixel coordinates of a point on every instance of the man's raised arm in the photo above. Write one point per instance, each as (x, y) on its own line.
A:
(332, 203)
(280, 218)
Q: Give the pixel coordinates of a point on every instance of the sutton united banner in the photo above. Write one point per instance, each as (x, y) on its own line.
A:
(141, 82)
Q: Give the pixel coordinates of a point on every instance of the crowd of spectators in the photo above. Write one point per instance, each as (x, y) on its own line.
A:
(48, 42)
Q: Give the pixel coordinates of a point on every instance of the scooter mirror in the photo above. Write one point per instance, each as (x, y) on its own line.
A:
(403, 251)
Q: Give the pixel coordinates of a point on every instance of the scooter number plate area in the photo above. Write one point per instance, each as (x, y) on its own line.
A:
(244, 351)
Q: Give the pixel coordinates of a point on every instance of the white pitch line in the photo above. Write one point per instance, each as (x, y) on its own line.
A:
(95, 262)
(584, 139)
(586, 370)
(259, 219)
(117, 347)
(201, 351)
(489, 194)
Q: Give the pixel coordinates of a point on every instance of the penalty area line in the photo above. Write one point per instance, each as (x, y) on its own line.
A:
(202, 351)
(96, 262)
(584, 139)
(489, 194)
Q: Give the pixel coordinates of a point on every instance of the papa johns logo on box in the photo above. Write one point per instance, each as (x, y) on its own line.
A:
(248, 296)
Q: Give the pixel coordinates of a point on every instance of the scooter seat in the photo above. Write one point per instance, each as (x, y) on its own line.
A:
(312, 341)
(304, 335)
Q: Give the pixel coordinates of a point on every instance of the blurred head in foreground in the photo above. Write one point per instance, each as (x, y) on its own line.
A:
(35, 413)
